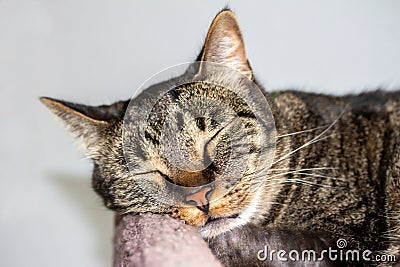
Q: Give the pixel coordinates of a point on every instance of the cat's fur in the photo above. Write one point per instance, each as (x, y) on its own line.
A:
(336, 171)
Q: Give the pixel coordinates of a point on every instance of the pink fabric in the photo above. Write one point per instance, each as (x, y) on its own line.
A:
(156, 240)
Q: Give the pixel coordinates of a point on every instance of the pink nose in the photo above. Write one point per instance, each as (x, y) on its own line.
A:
(200, 198)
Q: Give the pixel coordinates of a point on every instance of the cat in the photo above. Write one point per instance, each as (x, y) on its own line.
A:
(334, 172)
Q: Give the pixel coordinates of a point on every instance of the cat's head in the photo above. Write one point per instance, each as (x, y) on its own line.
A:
(169, 152)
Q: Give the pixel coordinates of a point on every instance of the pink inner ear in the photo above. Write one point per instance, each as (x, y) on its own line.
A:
(224, 44)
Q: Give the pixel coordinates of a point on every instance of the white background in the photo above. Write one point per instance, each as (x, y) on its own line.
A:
(98, 51)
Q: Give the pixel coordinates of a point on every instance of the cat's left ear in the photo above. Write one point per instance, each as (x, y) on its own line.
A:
(87, 122)
(224, 44)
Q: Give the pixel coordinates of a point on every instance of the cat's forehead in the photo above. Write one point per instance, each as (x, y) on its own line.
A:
(204, 90)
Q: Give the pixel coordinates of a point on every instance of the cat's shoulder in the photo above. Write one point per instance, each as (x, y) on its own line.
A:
(376, 100)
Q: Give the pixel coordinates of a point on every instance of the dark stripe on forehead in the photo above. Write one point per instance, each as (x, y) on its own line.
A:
(220, 94)
(246, 114)
(151, 137)
(180, 94)
(201, 123)
(174, 93)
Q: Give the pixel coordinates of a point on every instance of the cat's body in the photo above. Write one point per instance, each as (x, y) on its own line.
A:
(359, 198)
(360, 141)
(335, 173)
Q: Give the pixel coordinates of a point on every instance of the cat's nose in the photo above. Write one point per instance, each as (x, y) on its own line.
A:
(200, 198)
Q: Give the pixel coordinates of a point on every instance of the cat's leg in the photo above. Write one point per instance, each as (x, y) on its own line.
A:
(252, 246)
(392, 192)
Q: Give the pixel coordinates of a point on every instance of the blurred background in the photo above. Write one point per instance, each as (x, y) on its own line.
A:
(99, 51)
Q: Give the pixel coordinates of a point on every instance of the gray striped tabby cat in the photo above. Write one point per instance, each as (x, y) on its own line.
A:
(335, 173)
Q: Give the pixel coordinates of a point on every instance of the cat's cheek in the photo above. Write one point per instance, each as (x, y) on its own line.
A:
(225, 210)
(230, 205)
(190, 215)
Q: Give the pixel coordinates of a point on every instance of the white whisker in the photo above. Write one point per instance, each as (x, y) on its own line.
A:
(308, 169)
(315, 139)
(320, 176)
(305, 182)
(312, 141)
(305, 131)
(275, 177)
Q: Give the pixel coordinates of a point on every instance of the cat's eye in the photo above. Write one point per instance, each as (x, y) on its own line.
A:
(166, 177)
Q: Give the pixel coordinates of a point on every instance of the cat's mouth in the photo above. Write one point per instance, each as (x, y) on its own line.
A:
(214, 220)
(216, 225)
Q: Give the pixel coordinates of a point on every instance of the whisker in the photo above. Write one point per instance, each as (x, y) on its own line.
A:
(315, 139)
(308, 169)
(287, 172)
(269, 179)
(305, 131)
(320, 176)
(301, 181)
(274, 178)
(310, 142)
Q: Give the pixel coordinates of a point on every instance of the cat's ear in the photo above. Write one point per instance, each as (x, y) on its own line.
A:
(224, 44)
(86, 122)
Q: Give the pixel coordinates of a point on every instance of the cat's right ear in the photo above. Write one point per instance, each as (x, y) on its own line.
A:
(86, 122)
(224, 44)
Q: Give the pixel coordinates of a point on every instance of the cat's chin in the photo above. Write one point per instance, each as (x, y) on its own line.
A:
(216, 226)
